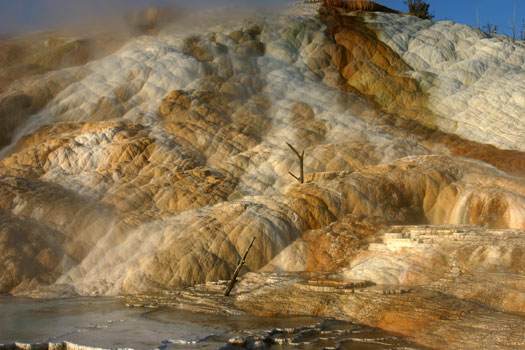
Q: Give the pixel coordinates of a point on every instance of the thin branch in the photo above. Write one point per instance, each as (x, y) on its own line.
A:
(295, 177)
(237, 270)
(293, 149)
(301, 164)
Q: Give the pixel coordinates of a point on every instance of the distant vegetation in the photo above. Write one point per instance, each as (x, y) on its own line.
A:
(357, 5)
(490, 28)
(419, 8)
(493, 28)
(361, 5)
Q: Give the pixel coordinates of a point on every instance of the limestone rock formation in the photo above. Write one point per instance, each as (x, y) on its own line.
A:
(465, 262)
(151, 168)
(436, 320)
(473, 79)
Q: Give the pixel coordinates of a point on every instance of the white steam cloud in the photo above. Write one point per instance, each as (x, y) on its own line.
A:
(34, 15)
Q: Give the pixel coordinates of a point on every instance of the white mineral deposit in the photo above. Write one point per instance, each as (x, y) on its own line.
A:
(136, 168)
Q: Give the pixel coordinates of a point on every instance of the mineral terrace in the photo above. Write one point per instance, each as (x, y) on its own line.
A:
(143, 165)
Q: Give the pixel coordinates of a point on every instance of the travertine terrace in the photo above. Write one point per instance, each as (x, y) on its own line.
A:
(149, 167)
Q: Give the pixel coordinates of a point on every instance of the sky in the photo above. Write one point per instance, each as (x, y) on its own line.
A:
(464, 11)
(29, 15)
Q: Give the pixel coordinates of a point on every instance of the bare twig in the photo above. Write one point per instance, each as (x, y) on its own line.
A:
(237, 270)
(301, 164)
(513, 25)
(490, 28)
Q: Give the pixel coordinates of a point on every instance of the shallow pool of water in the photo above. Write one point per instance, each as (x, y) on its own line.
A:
(108, 323)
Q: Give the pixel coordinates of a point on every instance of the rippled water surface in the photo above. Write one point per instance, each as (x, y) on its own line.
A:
(108, 323)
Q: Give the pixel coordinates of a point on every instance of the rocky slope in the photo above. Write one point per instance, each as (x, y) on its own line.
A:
(153, 167)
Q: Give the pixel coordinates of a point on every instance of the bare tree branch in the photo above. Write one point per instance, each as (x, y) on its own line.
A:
(237, 270)
(293, 149)
(295, 177)
(301, 164)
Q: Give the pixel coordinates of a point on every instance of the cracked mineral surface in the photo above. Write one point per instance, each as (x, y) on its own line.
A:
(145, 167)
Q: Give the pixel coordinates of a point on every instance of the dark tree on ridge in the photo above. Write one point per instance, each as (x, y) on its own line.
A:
(419, 8)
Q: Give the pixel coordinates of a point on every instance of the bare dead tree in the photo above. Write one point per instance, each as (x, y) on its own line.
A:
(237, 270)
(490, 28)
(512, 25)
(301, 164)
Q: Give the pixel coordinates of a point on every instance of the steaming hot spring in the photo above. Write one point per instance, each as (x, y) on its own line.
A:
(377, 158)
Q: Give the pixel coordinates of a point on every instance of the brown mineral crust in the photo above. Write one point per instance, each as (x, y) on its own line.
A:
(467, 262)
(334, 246)
(388, 191)
(30, 254)
(132, 156)
(46, 207)
(14, 108)
(39, 53)
(200, 52)
(432, 189)
(309, 130)
(195, 186)
(489, 213)
(510, 161)
(370, 68)
(141, 182)
(432, 319)
(28, 95)
(208, 122)
(25, 58)
(359, 5)
(208, 246)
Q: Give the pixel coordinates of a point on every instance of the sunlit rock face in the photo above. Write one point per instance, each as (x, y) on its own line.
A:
(474, 80)
(154, 166)
(32, 66)
(429, 189)
(435, 319)
(465, 262)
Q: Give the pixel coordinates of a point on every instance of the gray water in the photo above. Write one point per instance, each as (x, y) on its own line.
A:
(107, 323)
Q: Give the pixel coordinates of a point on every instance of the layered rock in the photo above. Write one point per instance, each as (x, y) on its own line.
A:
(474, 80)
(436, 320)
(466, 262)
(375, 66)
(32, 66)
(153, 167)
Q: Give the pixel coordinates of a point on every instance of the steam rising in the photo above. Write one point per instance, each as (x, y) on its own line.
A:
(129, 86)
(88, 16)
(179, 136)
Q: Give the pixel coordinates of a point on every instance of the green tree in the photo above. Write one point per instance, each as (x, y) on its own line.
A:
(419, 8)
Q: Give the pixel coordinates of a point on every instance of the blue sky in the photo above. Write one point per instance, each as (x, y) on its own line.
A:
(22, 15)
(464, 11)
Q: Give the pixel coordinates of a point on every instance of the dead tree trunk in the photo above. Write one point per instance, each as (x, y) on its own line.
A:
(237, 270)
(301, 158)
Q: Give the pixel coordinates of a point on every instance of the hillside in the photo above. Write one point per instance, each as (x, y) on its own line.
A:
(150, 166)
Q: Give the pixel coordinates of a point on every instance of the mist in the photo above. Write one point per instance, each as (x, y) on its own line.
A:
(17, 17)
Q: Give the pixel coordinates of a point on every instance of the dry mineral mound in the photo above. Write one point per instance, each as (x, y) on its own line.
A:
(152, 167)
